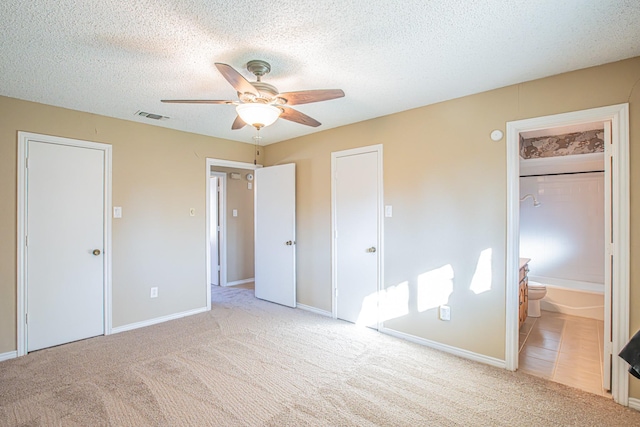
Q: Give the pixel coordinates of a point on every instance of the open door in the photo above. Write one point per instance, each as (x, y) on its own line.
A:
(275, 224)
(608, 262)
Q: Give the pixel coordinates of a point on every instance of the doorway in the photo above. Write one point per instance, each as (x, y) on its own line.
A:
(357, 250)
(273, 190)
(618, 169)
(64, 200)
(563, 229)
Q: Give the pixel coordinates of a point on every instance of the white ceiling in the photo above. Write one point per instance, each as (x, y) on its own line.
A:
(115, 58)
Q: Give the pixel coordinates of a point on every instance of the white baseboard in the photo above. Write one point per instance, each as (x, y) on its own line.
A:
(447, 348)
(634, 403)
(314, 310)
(157, 320)
(240, 282)
(8, 355)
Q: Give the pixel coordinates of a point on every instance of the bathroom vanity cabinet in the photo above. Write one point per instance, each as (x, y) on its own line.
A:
(523, 294)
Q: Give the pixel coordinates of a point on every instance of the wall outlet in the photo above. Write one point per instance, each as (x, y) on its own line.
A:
(192, 212)
(445, 312)
(154, 292)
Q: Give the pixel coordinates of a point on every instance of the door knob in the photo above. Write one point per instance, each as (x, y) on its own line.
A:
(96, 252)
(289, 243)
(372, 249)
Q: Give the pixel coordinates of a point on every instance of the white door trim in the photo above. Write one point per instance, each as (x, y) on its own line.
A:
(380, 252)
(222, 243)
(229, 164)
(619, 117)
(23, 139)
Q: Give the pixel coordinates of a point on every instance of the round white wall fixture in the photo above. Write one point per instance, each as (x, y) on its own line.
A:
(497, 135)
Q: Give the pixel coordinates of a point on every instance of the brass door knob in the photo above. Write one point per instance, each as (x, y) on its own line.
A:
(372, 249)
(96, 252)
(288, 243)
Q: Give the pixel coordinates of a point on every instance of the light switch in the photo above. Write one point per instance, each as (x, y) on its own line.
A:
(235, 212)
(117, 212)
(192, 212)
(250, 185)
(388, 211)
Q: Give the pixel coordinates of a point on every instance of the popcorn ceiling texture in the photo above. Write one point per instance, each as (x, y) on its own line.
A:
(117, 57)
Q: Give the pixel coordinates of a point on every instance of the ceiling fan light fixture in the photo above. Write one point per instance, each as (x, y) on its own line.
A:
(258, 115)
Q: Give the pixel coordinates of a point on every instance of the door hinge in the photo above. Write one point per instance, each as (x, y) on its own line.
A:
(26, 163)
(26, 240)
(218, 228)
(218, 268)
(336, 292)
(26, 318)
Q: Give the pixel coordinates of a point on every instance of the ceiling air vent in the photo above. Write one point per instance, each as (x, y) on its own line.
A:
(151, 116)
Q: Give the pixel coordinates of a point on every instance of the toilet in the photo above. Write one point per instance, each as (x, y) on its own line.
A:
(537, 291)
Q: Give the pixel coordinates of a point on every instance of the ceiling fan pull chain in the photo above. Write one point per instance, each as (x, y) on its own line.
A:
(256, 140)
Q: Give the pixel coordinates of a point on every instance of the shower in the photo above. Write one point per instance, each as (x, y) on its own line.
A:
(536, 203)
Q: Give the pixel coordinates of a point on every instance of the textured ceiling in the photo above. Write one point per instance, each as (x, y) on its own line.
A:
(115, 58)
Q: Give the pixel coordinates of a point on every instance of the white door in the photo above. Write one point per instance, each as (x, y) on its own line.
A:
(608, 262)
(356, 233)
(65, 244)
(275, 254)
(214, 239)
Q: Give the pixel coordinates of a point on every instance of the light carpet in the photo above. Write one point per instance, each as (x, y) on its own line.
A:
(253, 363)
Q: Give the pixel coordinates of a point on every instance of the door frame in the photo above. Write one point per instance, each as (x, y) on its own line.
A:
(380, 252)
(229, 164)
(23, 140)
(222, 220)
(618, 115)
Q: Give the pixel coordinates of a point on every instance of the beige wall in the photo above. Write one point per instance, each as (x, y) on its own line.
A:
(446, 180)
(240, 258)
(158, 174)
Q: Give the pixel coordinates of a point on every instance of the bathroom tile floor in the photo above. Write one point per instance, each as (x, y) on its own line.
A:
(564, 348)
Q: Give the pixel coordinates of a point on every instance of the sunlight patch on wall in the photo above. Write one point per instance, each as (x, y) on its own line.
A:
(435, 287)
(481, 281)
(393, 303)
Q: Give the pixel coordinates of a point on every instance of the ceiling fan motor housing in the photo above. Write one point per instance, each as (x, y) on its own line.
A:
(258, 68)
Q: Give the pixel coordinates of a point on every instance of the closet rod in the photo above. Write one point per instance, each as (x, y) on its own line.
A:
(561, 173)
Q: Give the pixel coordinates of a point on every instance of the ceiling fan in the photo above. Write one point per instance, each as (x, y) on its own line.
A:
(260, 104)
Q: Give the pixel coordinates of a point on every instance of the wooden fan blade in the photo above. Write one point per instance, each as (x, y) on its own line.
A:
(308, 96)
(238, 123)
(197, 101)
(239, 83)
(298, 117)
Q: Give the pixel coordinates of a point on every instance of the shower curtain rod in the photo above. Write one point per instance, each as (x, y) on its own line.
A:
(561, 173)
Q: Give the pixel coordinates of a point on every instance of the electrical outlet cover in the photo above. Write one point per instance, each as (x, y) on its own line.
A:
(445, 312)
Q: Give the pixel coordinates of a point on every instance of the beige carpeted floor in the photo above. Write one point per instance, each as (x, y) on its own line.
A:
(249, 362)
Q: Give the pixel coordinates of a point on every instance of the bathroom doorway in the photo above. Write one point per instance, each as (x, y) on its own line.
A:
(617, 203)
(562, 235)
